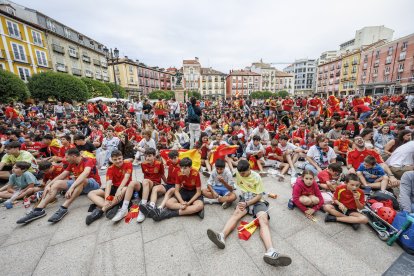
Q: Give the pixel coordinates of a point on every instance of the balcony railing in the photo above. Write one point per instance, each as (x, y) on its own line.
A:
(98, 77)
(88, 74)
(346, 64)
(376, 64)
(73, 54)
(61, 67)
(58, 49)
(86, 58)
(400, 70)
(96, 62)
(76, 72)
(355, 62)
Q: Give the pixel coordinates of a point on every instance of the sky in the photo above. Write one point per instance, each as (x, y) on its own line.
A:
(226, 34)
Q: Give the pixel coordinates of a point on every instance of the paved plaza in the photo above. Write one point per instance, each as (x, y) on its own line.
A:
(179, 246)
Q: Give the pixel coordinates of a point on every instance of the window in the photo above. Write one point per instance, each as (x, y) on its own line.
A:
(404, 46)
(390, 50)
(399, 77)
(41, 58)
(37, 38)
(67, 32)
(400, 67)
(24, 73)
(377, 54)
(50, 25)
(13, 29)
(387, 69)
(402, 55)
(388, 60)
(131, 69)
(19, 53)
(2, 67)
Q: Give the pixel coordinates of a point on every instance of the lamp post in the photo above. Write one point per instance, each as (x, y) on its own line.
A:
(113, 56)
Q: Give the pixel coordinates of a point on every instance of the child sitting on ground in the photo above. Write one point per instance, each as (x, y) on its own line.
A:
(252, 202)
(328, 177)
(21, 181)
(306, 194)
(220, 186)
(371, 174)
(348, 199)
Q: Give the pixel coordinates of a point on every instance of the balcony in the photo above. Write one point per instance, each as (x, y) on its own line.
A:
(48, 64)
(58, 49)
(355, 62)
(401, 70)
(73, 54)
(86, 58)
(346, 64)
(96, 62)
(386, 72)
(104, 64)
(98, 76)
(13, 34)
(402, 56)
(376, 64)
(76, 72)
(21, 59)
(88, 74)
(331, 75)
(61, 67)
(338, 74)
(388, 60)
(338, 66)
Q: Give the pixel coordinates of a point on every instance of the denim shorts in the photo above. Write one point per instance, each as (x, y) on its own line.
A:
(220, 190)
(92, 185)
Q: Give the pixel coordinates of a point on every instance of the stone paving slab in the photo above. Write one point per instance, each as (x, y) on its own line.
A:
(179, 246)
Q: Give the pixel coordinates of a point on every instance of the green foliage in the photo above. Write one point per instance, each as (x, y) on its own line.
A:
(12, 88)
(194, 94)
(97, 88)
(122, 92)
(283, 94)
(58, 86)
(161, 94)
(267, 94)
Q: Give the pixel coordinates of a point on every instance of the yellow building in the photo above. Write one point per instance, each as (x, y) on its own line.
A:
(126, 72)
(23, 48)
(348, 83)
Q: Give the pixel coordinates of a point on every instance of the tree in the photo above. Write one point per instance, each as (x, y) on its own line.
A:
(283, 93)
(267, 94)
(122, 92)
(256, 95)
(194, 94)
(58, 86)
(161, 94)
(97, 88)
(12, 88)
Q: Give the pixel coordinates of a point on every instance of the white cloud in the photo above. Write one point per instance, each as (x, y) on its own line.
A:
(225, 34)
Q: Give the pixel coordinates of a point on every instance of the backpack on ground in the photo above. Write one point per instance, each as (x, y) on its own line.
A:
(406, 239)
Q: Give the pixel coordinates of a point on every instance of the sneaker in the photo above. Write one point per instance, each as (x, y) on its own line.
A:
(330, 218)
(234, 174)
(104, 167)
(291, 204)
(217, 238)
(355, 226)
(145, 209)
(95, 215)
(201, 214)
(141, 216)
(60, 213)
(281, 177)
(276, 259)
(208, 200)
(164, 214)
(110, 214)
(289, 172)
(206, 173)
(33, 215)
(120, 215)
(226, 204)
(154, 212)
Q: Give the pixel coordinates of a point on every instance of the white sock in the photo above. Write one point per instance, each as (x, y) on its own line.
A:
(144, 201)
(152, 204)
(222, 236)
(270, 250)
(125, 205)
(214, 200)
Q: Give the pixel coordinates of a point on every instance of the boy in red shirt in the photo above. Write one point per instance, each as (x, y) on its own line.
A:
(49, 171)
(188, 199)
(348, 199)
(86, 179)
(274, 158)
(118, 177)
(342, 146)
(328, 177)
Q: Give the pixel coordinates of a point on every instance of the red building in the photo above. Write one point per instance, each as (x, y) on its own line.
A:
(388, 68)
(241, 83)
(149, 78)
(329, 77)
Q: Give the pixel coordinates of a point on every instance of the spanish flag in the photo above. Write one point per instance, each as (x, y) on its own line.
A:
(54, 147)
(193, 154)
(221, 151)
(88, 154)
(133, 213)
(246, 229)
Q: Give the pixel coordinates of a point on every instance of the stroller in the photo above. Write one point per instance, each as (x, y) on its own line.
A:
(381, 209)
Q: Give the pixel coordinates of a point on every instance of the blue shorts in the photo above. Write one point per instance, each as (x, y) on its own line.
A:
(92, 185)
(221, 190)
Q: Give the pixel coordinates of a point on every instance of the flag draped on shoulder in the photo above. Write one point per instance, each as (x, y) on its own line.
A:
(193, 154)
(221, 151)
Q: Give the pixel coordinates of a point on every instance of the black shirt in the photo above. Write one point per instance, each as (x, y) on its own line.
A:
(197, 111)
(146, 108)
(88, 147)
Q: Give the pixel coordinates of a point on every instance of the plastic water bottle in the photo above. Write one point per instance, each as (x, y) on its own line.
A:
(27, 205)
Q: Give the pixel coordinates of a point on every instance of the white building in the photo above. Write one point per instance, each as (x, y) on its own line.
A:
(304, 71)
(213, 84)
(367, 36)
(273, 80)
(191, 75)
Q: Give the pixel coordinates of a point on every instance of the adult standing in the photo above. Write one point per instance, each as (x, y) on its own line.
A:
(174, 109)
(146, 109)
(138, 107)
(194, 120)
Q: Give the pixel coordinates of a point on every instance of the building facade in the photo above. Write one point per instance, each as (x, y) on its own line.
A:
(70, 51)
(213, 84)
(388, 68)
(126, 73)
(149, 79)
(273, 80)
(329, 78)
(349, 73)
(23, 47)
(285, 81)
(327, 56)
(191, 75)
(241, 83)
(367, 36)
(304, 71)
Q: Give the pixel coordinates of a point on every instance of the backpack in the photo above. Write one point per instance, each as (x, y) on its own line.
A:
(191, 114)
(406, 239)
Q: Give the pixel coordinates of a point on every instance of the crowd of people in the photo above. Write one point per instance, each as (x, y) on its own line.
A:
(333, 150)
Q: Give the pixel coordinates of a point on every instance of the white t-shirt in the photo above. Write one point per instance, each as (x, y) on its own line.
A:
(402, 156)
(175, 108)
(289, 146)
(138, 107)
(323, 162)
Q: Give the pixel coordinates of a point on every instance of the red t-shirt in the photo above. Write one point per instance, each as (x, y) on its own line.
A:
(119, 128)
(287, 104)
(116, 174)
(314, 104)
(362, 108)
(270, 150)
(34, 146)
(324, 176)
(173, 171)
(153, 171)
(342, 145)
(56, 170)
(190, 182)
(356, 157)
(85, 162)
(346, 197)
(10, 112)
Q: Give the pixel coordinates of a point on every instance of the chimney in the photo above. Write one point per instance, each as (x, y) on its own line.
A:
(126, 57)
(196, 58)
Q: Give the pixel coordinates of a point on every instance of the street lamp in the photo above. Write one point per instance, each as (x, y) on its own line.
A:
(113, 56)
